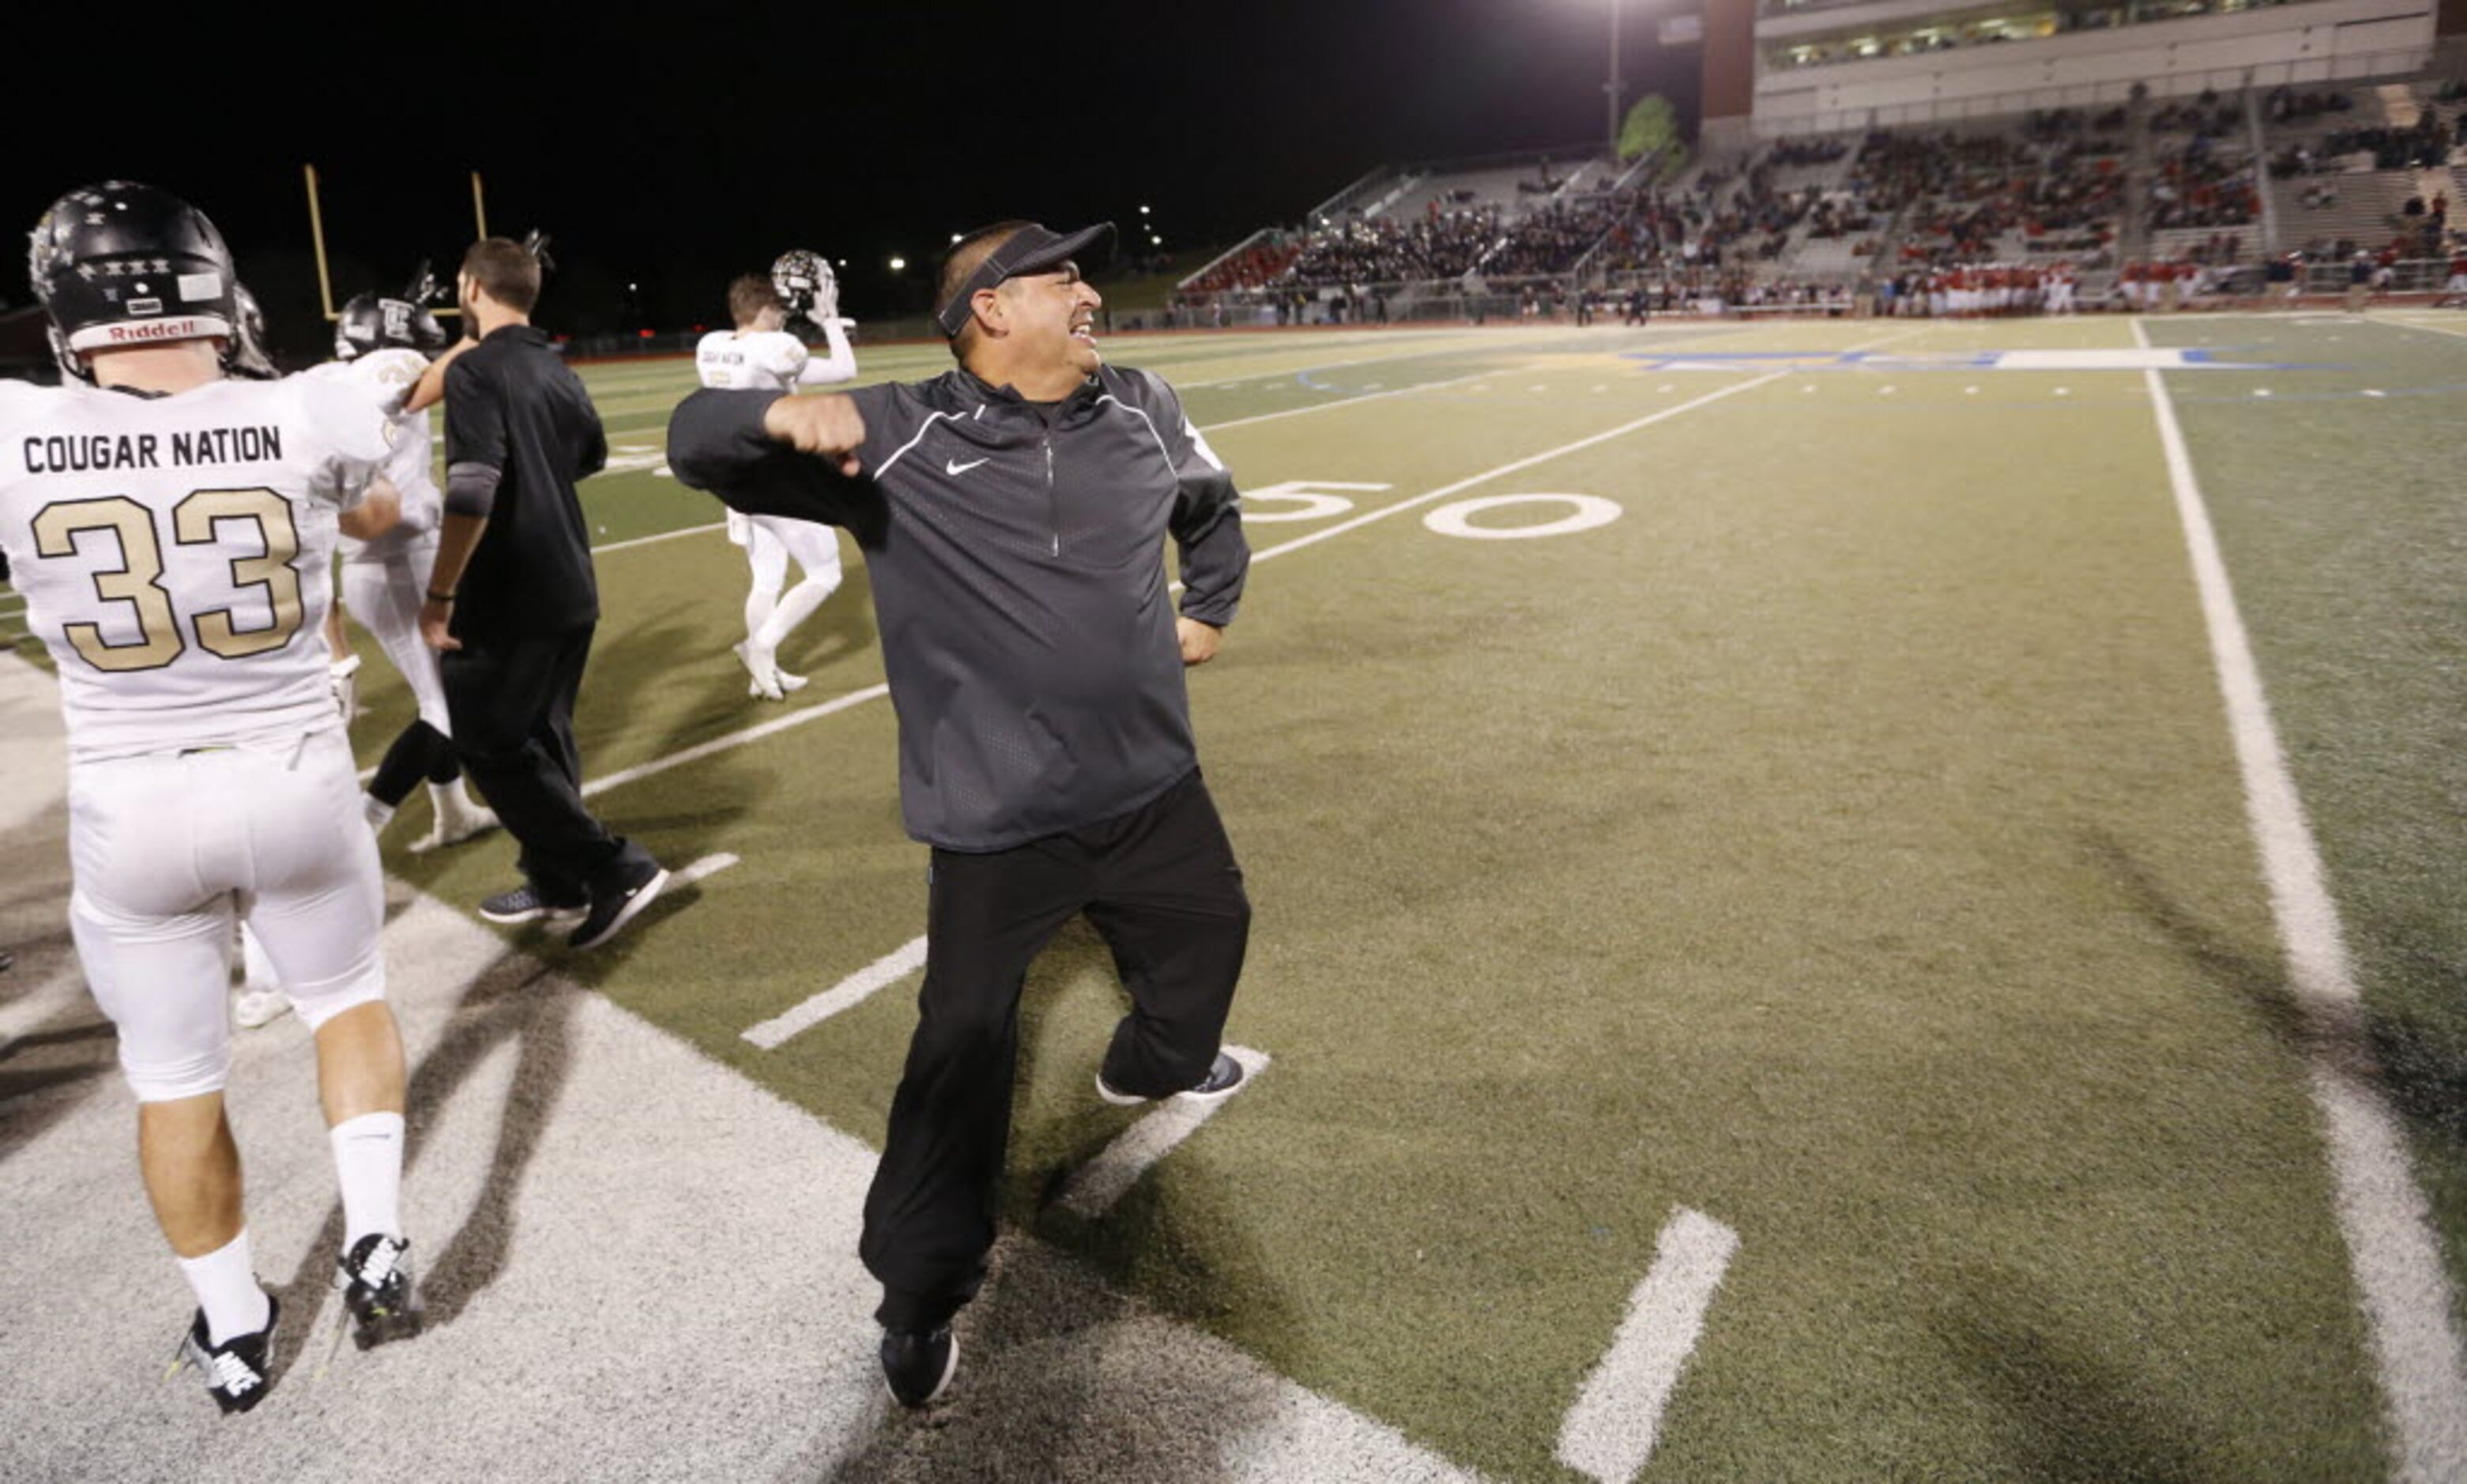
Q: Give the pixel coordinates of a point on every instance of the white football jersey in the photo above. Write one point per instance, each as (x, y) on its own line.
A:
(387, 375)
(177, 552)
(766, 360)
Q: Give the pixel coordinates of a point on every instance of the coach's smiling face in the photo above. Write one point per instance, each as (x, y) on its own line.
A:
(1050, 320)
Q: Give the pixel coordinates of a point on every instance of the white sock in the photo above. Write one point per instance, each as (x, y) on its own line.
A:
(368, 1166)
(225, 1284)
(758, 609)
(378, 811)
(795, 608)
(450, 803)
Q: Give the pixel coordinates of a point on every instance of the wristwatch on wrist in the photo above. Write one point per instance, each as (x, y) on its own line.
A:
(435, 596)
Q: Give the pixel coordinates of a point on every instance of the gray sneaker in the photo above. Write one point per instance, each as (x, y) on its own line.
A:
(1223, 1079)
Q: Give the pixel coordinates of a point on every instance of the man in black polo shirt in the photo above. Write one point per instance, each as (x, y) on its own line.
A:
(512, 602)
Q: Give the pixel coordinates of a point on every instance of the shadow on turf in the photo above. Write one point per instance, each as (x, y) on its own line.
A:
(2412, 1059)
(2067, 1412)
(513, 1000)
(1062, 1376)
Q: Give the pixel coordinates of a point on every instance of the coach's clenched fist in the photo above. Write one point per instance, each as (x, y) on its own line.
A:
(827, 426)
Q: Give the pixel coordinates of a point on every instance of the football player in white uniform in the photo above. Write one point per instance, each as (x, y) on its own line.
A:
(171, 529)
(384, 344)
(760, 355)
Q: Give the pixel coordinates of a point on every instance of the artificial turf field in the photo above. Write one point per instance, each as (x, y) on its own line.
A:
(1845, 842)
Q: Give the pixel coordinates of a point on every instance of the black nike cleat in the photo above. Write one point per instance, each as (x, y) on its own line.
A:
(611, 910)
(241, 1370)
(376, 1279)
(919, 1367)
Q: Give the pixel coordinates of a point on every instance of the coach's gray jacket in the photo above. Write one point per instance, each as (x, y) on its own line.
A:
(1018, 576)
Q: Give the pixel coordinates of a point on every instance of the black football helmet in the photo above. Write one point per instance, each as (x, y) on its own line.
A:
(806, 285)
(244, 353)
(370, 323)
(121, 264)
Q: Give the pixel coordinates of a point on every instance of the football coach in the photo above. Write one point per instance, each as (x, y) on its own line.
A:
(1012, 512)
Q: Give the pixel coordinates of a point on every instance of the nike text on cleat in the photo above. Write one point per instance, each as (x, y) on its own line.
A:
(918, 1367)
(1222, 1080)
(524, 903)
(611, 910)
(240, 1371)
(376, 1279)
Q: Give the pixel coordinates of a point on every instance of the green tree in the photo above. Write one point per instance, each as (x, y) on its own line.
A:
(1650, 126)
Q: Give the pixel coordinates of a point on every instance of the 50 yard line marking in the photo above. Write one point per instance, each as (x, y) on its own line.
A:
(2382, 1214)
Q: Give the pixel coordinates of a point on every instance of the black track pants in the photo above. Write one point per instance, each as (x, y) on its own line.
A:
(1160, 884)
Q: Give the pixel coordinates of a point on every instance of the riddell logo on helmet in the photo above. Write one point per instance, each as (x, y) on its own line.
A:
(162, 329)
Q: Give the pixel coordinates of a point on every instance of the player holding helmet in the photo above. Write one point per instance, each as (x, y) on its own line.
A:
(760, 355)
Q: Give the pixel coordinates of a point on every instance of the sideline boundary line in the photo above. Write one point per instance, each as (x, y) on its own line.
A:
(2401, 1284)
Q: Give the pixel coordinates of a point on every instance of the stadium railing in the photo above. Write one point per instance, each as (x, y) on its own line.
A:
(2361, 67)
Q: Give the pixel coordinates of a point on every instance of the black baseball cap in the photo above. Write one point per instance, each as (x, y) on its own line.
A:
(1031, 249)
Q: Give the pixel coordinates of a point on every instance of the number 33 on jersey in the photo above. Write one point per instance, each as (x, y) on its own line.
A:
(177, 552)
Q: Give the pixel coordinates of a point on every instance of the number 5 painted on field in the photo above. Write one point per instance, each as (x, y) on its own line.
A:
(1310, 497)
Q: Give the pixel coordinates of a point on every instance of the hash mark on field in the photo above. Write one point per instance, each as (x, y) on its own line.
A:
(708, 867)
(1135, 1151)
(846, 995)
(1610, 1432)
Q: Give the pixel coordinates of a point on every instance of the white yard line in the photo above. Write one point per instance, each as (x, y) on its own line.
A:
(1097, 1184)
(1610, 1432)
(704, 869)
(846, 995)
(2382, 1214)
(734, 739)
(666, 535)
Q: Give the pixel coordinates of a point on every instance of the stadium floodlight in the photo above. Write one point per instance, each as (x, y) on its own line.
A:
(898, 264)
(1143, 210)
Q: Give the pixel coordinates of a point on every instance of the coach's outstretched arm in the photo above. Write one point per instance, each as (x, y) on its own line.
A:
(768, 453)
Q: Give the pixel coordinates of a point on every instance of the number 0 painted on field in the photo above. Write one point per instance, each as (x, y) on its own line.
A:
(1309, 498)
(1456, 520)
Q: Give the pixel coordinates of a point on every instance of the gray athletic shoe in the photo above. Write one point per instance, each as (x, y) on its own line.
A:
(524, 904)
(1222, 1080)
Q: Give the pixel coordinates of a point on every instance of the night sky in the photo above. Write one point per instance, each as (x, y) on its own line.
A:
(673, 157)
